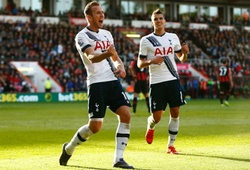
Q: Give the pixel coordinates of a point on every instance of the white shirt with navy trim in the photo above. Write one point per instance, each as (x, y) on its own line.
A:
(99, 41)
(166, 45)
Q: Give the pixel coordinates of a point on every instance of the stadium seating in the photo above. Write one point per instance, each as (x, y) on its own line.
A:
(53, 47)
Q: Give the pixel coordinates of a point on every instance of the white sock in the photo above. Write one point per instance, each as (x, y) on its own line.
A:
(82, 134)
(173, 129)
(122, 136)
(151, 122)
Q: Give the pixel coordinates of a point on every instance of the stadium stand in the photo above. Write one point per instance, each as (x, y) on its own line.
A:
(52, 45)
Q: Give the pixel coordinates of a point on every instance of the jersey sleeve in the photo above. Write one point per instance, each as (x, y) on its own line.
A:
(82, 41)
(177, 47)
(111, 39)
(143, 50)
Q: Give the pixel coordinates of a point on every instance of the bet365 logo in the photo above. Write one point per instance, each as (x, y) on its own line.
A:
(8, 97)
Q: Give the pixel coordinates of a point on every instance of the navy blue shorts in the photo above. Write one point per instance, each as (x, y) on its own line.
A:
(162, 94)
(105, 94)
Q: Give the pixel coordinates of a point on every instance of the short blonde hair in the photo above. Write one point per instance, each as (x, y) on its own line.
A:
(88, 7)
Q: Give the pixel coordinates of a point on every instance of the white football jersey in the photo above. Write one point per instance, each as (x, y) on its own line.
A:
(166, 45)
(99, 41)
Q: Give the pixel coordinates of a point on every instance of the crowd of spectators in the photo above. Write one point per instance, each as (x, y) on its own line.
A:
(52, 45)
(10, 80)
(115, 12)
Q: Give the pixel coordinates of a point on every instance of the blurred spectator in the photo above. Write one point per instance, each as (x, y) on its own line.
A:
(238, 69)
(48, 85)
(210, 86)
(194, 88)
(70, 85)
(25, 87)
(203, 88)
(246, 90)
(58, 56)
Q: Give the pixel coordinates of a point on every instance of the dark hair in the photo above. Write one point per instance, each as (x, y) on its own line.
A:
(136, 53)
(157, 11)
(224, 61)
(88, 7)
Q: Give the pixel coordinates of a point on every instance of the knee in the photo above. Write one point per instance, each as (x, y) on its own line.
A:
(174, 112)
(125, 117)
(124, 114)
(157, 116)
(95, 129)
(157, 119)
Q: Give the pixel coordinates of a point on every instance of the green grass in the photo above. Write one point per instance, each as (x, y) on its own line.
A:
(210, 137)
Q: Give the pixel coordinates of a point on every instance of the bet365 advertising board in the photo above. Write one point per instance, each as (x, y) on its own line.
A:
(43, 97)
(50, 97)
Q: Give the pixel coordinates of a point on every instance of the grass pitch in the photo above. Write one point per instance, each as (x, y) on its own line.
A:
(210, 137)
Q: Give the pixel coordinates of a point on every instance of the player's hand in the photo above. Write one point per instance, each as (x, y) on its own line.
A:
(120, 73)
(184, 48)
(111, 50)
(157, 60)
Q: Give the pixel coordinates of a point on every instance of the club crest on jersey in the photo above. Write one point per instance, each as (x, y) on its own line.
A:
(101, 45)
(163, 51)
(80, 42)
(170, 41)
